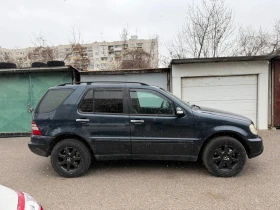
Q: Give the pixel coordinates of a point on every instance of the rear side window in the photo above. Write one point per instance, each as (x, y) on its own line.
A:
(108, 101)
(103, 101)
(87, 103)
(53, 99)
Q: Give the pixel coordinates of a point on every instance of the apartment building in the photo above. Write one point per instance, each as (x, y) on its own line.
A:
(101, 55)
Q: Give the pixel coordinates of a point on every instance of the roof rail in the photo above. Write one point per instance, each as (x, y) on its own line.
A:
(89, 83)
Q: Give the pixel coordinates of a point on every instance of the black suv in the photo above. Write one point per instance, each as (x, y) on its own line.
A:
(78, 123)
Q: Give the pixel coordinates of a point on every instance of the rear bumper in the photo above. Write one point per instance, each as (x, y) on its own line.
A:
(40, 145)
(255, 147)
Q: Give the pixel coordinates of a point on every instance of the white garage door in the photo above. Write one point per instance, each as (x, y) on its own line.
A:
(237, 94)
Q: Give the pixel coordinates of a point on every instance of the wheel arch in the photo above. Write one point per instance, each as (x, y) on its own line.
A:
(72, 136)
(232, 134)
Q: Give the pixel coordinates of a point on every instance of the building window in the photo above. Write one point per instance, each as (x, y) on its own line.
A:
(139, 45)
(125, 46)
(103, 47)
(104, 58)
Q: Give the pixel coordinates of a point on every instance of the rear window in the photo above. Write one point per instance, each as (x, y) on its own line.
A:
(53, 99)
(103, 101)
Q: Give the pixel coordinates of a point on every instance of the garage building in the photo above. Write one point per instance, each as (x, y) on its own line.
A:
(242, 85)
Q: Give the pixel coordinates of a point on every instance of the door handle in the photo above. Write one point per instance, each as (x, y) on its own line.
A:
(30, 109)
(82, 120)
(137, 121)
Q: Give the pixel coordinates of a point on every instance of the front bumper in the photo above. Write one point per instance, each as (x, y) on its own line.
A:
(255, 147)
(40, 145)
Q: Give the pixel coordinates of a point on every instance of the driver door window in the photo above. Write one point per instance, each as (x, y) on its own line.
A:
(150, 103)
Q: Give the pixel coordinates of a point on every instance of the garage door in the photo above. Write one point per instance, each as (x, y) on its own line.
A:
(18, 92)
(237, 94)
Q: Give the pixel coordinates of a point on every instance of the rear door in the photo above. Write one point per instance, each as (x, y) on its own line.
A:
(155, 129)
(103, 116)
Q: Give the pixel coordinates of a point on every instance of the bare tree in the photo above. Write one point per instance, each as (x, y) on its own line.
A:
(6, 57)
(134, 59)
(21, 61)
(251, 42)
(205, 33)
(276, 37)
(137, 57)
(41, 52)
(153, 58)
(124, 37)
(77, 55)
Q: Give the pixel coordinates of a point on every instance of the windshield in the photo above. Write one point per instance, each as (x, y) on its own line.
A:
(184, 102)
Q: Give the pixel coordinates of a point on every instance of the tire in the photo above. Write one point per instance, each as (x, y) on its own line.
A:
(6, 65)
(55, 63)
(38, 64)
(224, 156)
(70, 158)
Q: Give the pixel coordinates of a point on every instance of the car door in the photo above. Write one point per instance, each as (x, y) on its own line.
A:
(155, 128)
(103, 116)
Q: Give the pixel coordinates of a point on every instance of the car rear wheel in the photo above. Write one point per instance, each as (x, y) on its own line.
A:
(224, 156)
(70, 158)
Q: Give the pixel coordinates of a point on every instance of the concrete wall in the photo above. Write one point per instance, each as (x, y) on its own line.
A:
(259, 68)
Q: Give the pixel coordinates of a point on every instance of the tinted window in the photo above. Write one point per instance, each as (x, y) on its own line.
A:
(144, 102)
(53, 99)
(87, 103)
(108, 101)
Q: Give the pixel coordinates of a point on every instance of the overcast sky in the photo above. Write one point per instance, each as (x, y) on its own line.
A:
(21, 20)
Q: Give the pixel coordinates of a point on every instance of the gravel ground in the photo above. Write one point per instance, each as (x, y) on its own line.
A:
(144, 184)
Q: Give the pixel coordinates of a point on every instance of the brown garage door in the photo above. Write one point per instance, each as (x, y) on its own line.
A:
(276, 110)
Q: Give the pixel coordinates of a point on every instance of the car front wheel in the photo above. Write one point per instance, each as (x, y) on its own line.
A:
(224, 156)
(70, 158)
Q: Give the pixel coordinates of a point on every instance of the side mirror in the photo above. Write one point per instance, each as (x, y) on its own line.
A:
(180, 111)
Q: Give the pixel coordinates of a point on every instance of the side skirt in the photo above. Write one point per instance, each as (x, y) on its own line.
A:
(147, 157)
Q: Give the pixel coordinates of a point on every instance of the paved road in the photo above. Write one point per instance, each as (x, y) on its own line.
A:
(144, 184)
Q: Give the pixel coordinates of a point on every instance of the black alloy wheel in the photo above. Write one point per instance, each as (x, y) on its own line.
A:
(70, 158)
(224, 156)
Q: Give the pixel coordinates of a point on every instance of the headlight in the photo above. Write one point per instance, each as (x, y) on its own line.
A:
(253, 129)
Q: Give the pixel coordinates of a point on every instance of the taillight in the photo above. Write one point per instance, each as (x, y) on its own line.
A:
(21, 201)
(35, 129)
(27, 202)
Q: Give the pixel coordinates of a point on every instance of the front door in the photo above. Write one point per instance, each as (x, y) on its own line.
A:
(103, 116)
(155, 129)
